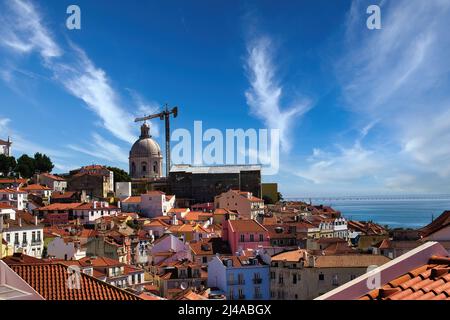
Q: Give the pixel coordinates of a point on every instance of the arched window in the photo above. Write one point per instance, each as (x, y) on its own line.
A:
(155, 167)
(144, 166)
(133, 168)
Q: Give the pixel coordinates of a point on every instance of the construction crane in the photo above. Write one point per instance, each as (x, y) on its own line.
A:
(164, 115)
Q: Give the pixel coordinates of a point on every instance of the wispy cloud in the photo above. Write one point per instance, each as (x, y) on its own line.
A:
(24, 32)
(347, 165)
(145, 108)
(24, 144)
(396, 78)
(28, 33)
(101, 148)
(265, 92)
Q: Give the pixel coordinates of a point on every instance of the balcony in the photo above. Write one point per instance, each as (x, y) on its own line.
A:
(257, 280)
(236, 282)
(36, 242)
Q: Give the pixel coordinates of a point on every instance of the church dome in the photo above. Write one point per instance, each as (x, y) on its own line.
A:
(145, 146)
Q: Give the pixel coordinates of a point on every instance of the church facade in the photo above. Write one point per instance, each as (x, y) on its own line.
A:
(5, 147)
(145, 160)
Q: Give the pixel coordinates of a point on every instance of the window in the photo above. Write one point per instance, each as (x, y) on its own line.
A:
(133, 168)
(261, 237)
(280, 279)
(352, 277)
(24, 237)
(241, 278)
(335, 280)
(204, 259)
(144, 166)
(242, 238)
(272, 275)
(252, 238)
(321, 276)
(155, 167)
(16, 238)
(33, 236)
(294, 279)
(8, 237)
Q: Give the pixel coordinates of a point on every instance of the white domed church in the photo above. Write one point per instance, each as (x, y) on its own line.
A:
(145, 157)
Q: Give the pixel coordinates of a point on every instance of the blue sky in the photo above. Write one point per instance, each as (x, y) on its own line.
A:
(360, 111)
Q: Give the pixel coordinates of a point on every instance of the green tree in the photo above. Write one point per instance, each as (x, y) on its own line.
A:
(280, 196)
(120, 175)
(7, 164)
(25, 166)
(43, 163)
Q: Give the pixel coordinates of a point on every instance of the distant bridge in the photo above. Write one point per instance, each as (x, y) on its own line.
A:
(370, 198)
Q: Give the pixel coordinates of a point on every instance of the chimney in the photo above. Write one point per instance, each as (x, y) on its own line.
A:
(311, 261)
(20, 221)
(95, 204)
(35, 220)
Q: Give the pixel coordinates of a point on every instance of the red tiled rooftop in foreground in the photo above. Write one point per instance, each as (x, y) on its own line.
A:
(50, 281)
(428, 282)
(246, 226)
(420, 274)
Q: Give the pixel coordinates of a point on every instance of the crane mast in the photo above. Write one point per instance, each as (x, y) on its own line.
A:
(164, 115)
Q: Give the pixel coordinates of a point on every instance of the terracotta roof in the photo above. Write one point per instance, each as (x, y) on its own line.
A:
(60, 206)
(50, 281)
(4, 205)
(5, 181)
(197, 216)
(19, 258)
(52, 176)
(35, 187)
(178, 210)
(210, 246)
(428, 282)
(350, 261)
(290, 256)
(63, 195)
(246, 226)
(278, 231)
(90, 206)
(190, 295)
(440, 222)
(12, 191)
(134, 199)
(155, 193)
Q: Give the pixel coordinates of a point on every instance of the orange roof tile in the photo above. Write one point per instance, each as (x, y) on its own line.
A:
(247, 225)
(134, 199)
(50, 281)
(428, 282)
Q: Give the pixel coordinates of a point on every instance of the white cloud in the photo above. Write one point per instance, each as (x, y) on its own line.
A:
(24, 32)
(264, 95)
(399, 75)
(100, 148)
(343, 167)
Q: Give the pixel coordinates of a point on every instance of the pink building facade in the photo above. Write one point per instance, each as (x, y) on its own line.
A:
(245, 234)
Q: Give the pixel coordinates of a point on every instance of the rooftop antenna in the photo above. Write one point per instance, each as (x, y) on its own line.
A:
(164, 115)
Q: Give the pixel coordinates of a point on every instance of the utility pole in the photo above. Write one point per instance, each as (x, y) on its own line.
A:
(164, 115)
